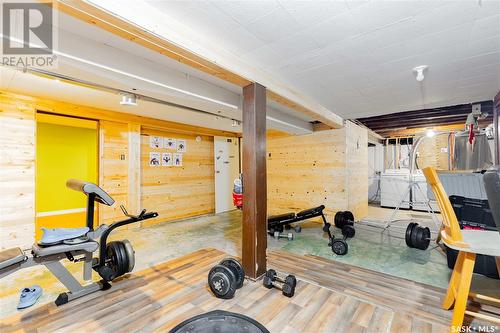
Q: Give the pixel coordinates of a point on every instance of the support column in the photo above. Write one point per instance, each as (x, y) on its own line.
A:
(254, 229)
(496, 124)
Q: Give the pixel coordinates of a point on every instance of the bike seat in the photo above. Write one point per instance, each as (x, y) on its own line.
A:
(58, 235)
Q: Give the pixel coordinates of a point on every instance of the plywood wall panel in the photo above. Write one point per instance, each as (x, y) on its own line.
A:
(17, 173)
(306, 171)
(113, 170)
(178, 192)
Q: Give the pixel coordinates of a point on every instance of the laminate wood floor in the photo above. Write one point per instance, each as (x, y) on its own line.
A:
(330, 297)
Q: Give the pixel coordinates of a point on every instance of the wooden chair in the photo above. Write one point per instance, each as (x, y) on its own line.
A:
(468, 243)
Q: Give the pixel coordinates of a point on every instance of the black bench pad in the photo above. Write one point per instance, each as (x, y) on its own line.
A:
(281, 217)
(311, 211)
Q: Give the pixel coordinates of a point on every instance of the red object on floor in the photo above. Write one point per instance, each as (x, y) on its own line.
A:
(238, 200)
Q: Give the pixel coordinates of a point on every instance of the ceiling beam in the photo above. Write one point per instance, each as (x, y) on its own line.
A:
(123, 28)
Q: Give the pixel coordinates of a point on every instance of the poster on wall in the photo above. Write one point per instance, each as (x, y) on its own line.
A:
(181, 146)
(169, 143)
(156, 141)
(177, 159)
(154, 159)
(166, 159)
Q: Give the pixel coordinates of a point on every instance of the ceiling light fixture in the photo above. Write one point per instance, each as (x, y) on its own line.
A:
(118, 71)
(129, 100)
(419, 71)
(430, 133)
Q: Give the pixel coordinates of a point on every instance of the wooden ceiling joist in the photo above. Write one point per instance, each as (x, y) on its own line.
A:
(118, 26)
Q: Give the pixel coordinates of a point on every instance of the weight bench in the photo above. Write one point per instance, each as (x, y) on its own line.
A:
(280, 222)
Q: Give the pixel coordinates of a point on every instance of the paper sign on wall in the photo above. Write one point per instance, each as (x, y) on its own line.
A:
(181, 146)
(166, 159)
(156, 142)
(177, 159)
(169, 143)
(154, 159)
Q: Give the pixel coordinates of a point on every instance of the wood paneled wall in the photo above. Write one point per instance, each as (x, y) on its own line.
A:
(17, 173)
(178, 192)
(357, 169)
(327, 167)
(430, 154)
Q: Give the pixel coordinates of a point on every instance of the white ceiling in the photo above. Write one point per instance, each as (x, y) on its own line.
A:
(356, 57)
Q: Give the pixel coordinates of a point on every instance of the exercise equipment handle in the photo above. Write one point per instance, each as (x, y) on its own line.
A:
(104, 237)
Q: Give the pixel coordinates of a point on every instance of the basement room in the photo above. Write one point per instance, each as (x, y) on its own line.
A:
(250, 166)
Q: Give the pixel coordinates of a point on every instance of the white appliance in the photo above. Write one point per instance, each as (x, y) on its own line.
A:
(419, 198)
(393, 184)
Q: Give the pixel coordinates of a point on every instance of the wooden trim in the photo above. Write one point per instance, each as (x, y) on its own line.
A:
(86, 112)
(254, 226)
(116, 25)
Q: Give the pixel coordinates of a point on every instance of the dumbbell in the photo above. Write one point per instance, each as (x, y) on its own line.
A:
(297, 228)
(273, 275)
(286, 286)
(278, 235)
(339, 246)
(343, 218)
(417, 236)
(226, 277)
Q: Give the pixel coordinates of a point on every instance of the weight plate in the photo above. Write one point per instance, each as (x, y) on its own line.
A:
(339, 247)
(408, 234)
(413, 236)
(113, 258)
(129, 250)
(291, 280)
(271, 273)
(222, 282)
(122, 258)
(338, 219)
(419, 238)
(427, 238)
(348, 217)
(348, 231)
(237, 269)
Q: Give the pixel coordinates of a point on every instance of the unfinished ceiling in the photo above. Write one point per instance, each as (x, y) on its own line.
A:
(356, 57)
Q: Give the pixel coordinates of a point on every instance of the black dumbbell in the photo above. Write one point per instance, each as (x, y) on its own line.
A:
(225, 278)
(278, 235)
(339, 246)
(417, 236)
(290, 279)
(287, 288)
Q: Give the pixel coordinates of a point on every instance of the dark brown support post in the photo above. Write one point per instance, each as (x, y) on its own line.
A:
(496, 124)
(254, 229)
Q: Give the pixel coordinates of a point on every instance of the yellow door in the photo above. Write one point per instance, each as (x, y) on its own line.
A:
(66, 148)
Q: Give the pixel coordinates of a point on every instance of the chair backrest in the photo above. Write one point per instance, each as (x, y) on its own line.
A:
(452, 232)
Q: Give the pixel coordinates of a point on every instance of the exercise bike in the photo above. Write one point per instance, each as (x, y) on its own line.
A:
(78, 244)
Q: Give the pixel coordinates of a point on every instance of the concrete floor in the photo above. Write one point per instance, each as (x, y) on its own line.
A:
(370, 248)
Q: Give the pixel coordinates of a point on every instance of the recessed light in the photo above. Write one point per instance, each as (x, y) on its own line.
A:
(129, 99)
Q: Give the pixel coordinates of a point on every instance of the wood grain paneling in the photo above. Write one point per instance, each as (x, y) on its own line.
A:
(178, 192)
(357, 169)
(17, 173)
(113, 168)
(327, 167)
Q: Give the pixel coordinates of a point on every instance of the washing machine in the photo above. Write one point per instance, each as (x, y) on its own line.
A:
(420, 198)
(393, 184)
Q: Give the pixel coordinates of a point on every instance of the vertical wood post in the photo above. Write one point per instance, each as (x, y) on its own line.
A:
(496, 124)
(254, 229)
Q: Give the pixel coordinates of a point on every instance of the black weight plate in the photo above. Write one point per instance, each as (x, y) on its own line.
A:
(339, 247)
(413, 236)
(271, 273)
(348, 217)
(338, 219)
(348, 231)
(427, 238)
(122, 258)
(237, 269)
(408, 234)
(222, 282)
(419, 238)
(113, 258)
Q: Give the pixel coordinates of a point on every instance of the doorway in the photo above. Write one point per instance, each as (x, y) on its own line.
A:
(66, 148)
(227, 168)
